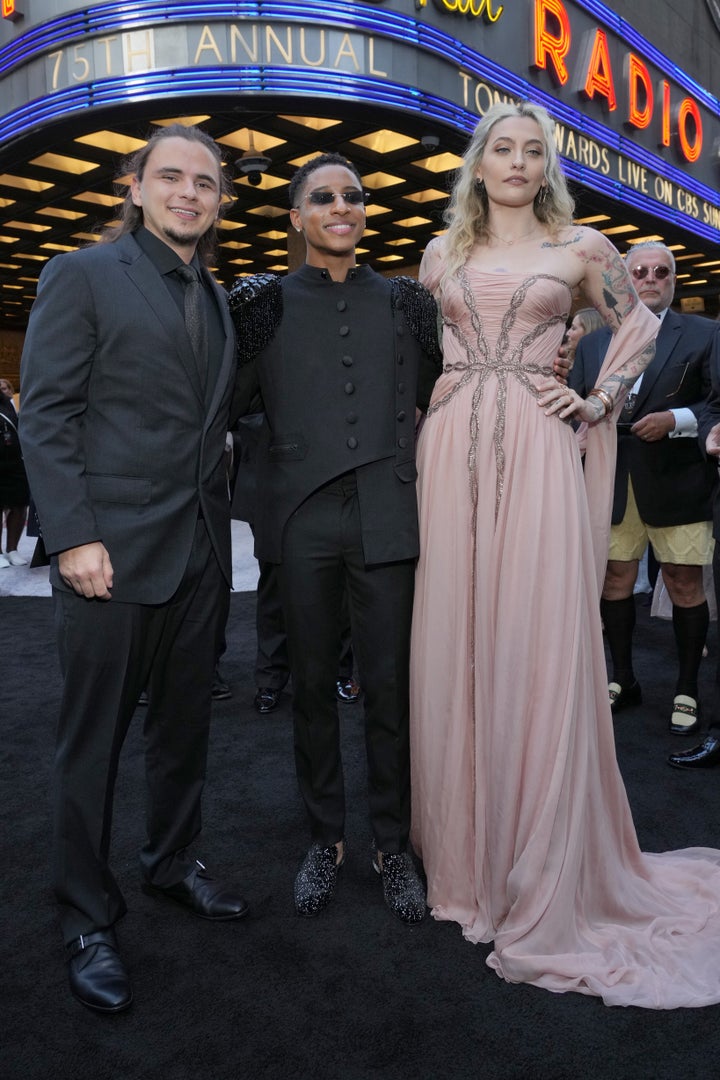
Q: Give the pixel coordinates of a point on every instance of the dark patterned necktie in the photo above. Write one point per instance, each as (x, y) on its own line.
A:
(195, 318)
(628, 408)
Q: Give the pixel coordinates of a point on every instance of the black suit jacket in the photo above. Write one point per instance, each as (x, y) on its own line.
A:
(709, 416)
(672, 481)
(8, 412)
(120, 443)
(340, 378)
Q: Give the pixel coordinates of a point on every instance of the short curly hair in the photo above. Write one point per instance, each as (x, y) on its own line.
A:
(298, 181)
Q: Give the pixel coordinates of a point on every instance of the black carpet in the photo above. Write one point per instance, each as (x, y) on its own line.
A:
(353, 994)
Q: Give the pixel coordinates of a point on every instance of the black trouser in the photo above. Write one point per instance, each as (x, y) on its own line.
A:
(272, 664)
(322, 556)
(109, 652)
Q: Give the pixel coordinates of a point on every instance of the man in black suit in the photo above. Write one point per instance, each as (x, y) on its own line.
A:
(341, 357)
(663, 485)
(707, 753)
(127, 380)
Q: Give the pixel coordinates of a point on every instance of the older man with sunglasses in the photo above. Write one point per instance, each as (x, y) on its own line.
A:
(663, 484)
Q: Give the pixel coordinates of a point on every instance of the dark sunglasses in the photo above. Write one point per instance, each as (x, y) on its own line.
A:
(641, 272)
(327, 198)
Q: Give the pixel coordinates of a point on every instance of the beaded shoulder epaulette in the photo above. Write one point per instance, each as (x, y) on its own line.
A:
(420, 312)
(256, 308)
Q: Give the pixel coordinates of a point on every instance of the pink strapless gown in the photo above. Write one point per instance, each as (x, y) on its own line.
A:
(519, 810)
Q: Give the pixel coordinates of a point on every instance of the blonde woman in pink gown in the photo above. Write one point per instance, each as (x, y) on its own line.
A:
(519, 810)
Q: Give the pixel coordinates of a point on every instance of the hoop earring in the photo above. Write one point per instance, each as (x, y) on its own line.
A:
(480, 188)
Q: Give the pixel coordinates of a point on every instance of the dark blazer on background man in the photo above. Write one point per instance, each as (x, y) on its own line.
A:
(672, 482)
(709, 417)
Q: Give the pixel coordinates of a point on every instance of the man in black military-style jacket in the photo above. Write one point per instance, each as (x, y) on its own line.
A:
(341, 357)
(663, 484)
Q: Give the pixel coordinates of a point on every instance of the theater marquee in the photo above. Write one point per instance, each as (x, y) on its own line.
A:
(630, 124)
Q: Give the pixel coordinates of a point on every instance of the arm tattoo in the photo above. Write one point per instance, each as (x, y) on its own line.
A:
(626, 376)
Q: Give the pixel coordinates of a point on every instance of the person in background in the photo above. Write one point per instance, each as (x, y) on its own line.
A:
(663, 485)
(127, 466)
(584, 321)
(706, 754)
(14, 490)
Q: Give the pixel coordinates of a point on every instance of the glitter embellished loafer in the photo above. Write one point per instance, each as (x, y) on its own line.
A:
(316, 879)
(404, 893)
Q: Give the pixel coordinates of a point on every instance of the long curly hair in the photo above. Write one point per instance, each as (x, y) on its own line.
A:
(467, 212)
(131, 216)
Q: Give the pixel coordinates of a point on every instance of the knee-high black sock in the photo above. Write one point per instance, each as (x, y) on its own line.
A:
(691, 626)
(618, 617)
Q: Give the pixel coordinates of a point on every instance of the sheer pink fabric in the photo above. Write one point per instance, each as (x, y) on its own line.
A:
(519, 810)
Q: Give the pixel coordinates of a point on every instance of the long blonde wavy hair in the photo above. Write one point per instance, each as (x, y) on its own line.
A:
(467, 211)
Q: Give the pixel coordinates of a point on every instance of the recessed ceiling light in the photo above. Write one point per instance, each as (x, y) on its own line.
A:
(616, 230)
(315, 123)
(429, 195)
(29, 226)
(58, 212)
(112, 141)
(440, 163)
(384, 141)
(24, 183)
(62, 163)
(99, 198)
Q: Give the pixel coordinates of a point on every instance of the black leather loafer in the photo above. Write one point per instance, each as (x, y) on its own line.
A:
(316, 880)
(621, 697)
(347, 690)
(266, 699)
(204, 896)
(703, 756)
(404, 893)
(98, 978)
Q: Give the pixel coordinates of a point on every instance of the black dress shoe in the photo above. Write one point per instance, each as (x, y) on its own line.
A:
(97, 975)
(316, 880)
(404, 893)
(220, 689)
(143, 699)
(266, 699)
(703, 756)
(347, 690)
(621, 697)
(204, 896)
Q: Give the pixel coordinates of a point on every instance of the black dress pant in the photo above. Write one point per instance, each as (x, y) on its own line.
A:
(323, 557)
(109, 652)
(272, 664)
